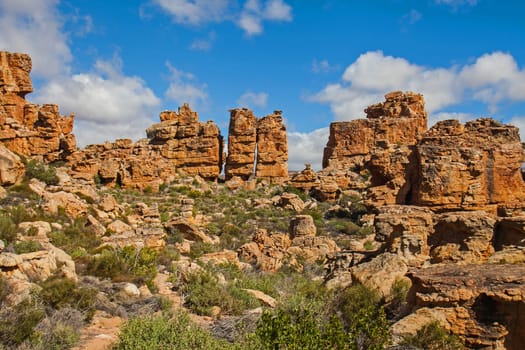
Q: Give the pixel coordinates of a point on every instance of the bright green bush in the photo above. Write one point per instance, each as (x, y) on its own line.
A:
(433, 336)
(161, 332)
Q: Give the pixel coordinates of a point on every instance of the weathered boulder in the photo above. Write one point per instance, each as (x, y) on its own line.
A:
(462, 237)
(301, 226)
(472, 166)
(12, 169)
(483, 304)
(290, 201)
(404, 230)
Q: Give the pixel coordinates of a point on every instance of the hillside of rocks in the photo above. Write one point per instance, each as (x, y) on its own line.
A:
(408, 233)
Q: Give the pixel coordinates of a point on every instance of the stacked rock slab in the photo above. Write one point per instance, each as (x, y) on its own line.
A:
(242, 140)
(29, 129)
(398, 120)
(178, 144)
(260, 143)
(467, 167)
(272, 149)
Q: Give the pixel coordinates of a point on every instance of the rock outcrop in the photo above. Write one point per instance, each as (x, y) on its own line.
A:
(471, 166)
(179, 143)
(485, 306)
(257, 142)
(398, 120)
(25, 128)
(12, 169)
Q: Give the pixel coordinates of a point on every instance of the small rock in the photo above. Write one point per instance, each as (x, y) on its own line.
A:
(131, 290)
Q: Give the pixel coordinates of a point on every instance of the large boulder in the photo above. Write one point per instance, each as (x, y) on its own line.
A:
(12, 169)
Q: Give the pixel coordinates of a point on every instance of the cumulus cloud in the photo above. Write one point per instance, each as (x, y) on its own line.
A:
(253, 99)
(255, 12)
(306, 148)
(456, 3)
(493, 78)
(35, 27)
(249, 17)
(107, 103)
(411, 17)
(204, 44)
(323, 66)
(184, 87)
(195, 11)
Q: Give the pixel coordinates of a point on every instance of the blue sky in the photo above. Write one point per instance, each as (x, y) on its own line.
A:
(118, 64)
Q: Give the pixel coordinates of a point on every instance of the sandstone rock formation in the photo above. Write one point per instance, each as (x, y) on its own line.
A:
(485, 306)
(265, 137)
(11, 168)
(398, 120)
(25, 128)
(471, 166)
(179, 143)
(242, 140)
(272, 149)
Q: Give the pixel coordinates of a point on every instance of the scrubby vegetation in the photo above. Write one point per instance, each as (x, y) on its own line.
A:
(307, 315)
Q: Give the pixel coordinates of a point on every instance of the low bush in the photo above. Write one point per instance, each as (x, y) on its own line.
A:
(8, 228)
(161, 332)
(204, 291)
(17, 323)
(433, 336)
(128, 264)
(27, 247)
(58, 292)
(60, 331)
(42, 172)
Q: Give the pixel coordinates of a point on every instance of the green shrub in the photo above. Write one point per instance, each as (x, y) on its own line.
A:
(204, 291)
(300, 329)
(58, 292)
(433, 336)
(8, 229)
(74, 236)
(19, 214)
(363, 317)
(60, 331)
(127, 264)
(27, 247)
(160, 332)
(42, 172)
(17, 324)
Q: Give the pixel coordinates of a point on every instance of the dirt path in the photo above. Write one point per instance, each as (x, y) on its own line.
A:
(101, 333)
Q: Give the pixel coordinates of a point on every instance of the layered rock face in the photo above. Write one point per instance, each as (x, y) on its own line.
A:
(471, 166)
(272, 149)
(484, 305)
(398, 120)
(29, 129)
(242, 141)
(179, 143)
(256, 142)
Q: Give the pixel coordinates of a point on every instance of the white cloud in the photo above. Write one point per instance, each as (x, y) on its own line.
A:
(204, 44)
(491, 79)
(456, 3)
(411, 17)
(107, 104)
(249, 17)
(185, 88)
(254, 13)
(519, 121)
(195, 11)
(34, 27)
(323, 66)
(306, 148)
(253, 99)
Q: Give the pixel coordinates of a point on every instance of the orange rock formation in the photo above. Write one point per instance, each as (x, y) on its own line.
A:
(25, 128)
